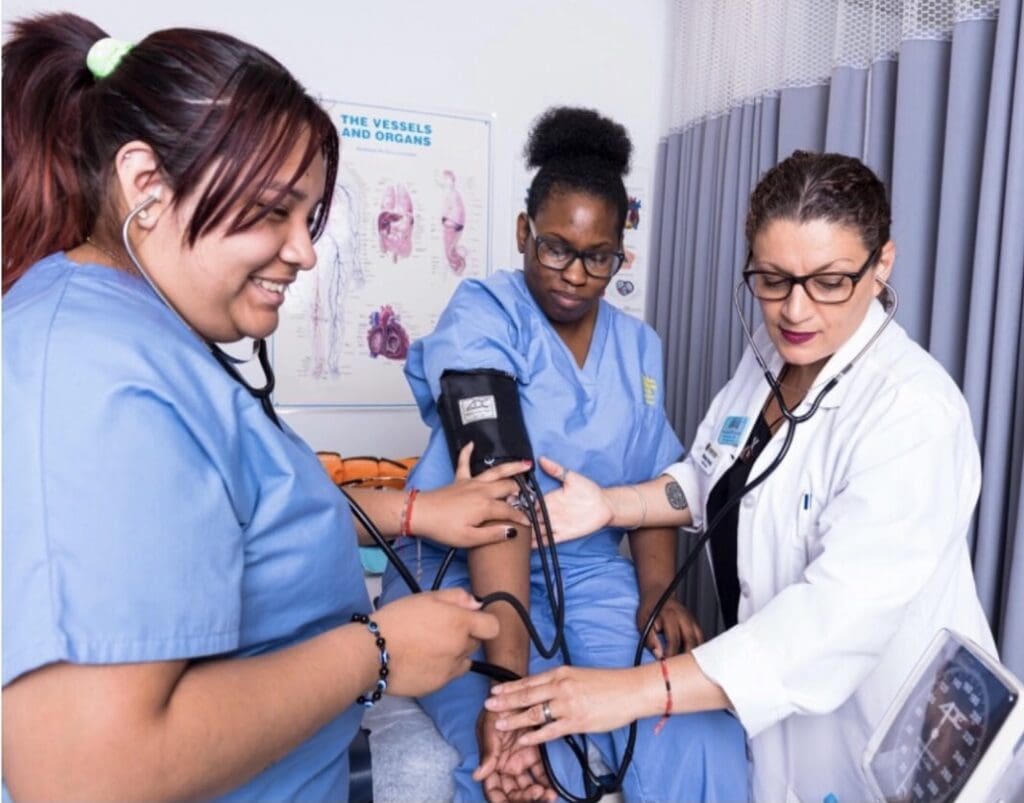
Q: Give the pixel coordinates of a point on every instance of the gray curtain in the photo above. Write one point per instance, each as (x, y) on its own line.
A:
(943, 125)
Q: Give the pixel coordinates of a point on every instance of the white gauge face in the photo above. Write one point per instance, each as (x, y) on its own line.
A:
(946, 721)
(941, 737)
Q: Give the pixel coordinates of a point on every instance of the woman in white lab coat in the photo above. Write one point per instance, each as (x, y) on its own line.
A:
(836, 572)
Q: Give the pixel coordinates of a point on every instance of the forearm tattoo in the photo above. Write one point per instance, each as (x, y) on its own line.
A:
(675, 496)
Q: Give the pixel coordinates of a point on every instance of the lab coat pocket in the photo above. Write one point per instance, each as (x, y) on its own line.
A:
(807, 533)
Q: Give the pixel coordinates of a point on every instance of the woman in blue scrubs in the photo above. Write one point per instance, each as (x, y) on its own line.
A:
(184, 613)
(590, 382)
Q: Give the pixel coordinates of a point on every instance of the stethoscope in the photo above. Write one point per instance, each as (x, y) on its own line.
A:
(792, 419)
(529, 491)
(227, 362)
(596, 787)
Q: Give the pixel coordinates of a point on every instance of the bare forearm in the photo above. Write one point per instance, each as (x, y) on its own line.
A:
(654, 556)
(657, 503)
(259, 709)
(384, 509)
(222, 723)
(504, 567)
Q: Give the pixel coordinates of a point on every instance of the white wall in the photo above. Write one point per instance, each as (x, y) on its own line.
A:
(512, 59)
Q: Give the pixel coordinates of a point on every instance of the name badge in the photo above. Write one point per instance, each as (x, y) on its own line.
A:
(732, 430)
(708, 458)
(650, 387)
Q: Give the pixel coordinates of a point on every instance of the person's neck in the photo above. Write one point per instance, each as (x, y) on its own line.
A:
(577, 335)
(102, 247)
(799, 378)
(93, 253)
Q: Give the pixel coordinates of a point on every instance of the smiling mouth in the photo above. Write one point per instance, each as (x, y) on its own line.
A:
(270, 286)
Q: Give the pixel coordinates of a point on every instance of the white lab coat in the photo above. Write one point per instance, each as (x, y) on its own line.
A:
(850, 556)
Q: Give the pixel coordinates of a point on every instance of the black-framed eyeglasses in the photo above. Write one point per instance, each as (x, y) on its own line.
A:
(558, 255)
(824, 288)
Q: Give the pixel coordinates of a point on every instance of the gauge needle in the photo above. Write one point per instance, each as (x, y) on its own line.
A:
(924, 749)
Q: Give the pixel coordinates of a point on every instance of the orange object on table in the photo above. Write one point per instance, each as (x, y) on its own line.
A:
(367, 472)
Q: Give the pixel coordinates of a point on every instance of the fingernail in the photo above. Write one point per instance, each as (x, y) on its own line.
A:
(527, 463)
(510, 532)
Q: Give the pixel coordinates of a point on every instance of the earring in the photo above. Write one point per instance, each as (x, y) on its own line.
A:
(143, 215)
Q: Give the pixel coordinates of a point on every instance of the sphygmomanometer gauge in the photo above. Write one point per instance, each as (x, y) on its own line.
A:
(953, 727)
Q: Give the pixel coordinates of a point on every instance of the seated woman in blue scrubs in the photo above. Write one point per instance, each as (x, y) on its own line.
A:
(184, 613)
(590, 381)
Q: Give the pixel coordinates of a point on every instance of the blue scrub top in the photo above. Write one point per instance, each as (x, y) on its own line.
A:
(151, 509)
(606, 419)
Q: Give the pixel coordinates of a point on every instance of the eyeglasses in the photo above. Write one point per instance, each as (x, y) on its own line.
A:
(824, 288)
(558, 255)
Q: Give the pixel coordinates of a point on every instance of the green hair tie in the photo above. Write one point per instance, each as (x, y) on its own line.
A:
(105, 55)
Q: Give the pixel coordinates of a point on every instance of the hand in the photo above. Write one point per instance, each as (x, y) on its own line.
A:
(675, 624)
(579, 700)
(579, 507)
(472, 511)
(508, 771)
(430, 638)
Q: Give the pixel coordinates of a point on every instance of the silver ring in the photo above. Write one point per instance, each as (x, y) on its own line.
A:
(546, 711)
(565, 474)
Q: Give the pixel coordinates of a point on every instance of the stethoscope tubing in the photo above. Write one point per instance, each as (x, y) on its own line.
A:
(552, 573)
(528, 488)
(597, 787)
(792, 420)
(229, 363)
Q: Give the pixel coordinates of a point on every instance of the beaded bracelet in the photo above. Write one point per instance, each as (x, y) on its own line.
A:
(668, 698)
(370, 699)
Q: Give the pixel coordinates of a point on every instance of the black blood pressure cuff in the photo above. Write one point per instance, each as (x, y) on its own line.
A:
(482, 407)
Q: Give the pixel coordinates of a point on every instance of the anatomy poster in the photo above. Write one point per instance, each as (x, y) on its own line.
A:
(626, 289)
(410, 220)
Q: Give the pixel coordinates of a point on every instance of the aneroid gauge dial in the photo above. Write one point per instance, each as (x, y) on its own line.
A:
(943, 724)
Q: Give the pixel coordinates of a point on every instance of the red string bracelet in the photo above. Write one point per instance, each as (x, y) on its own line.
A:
(406, 525)
(668, 697)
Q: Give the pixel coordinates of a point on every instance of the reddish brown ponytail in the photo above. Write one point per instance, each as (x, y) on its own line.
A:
(44, 78)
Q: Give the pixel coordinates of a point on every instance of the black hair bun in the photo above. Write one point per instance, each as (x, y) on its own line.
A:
(567, 133)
